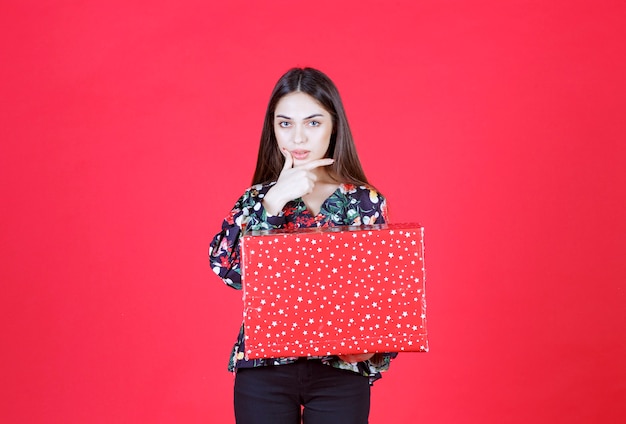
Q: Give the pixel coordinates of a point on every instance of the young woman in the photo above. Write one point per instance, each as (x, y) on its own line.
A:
(307, 175)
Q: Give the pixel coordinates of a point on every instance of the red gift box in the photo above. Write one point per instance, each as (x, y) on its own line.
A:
(332, 291)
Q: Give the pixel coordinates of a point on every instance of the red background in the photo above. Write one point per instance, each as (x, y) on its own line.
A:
(130, 128)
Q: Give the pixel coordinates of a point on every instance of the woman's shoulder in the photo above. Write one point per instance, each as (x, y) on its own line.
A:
(252, 195)
(360, 190)
(366, 204)
(257, 190)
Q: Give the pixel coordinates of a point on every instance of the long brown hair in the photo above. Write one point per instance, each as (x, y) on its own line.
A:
(347, 167)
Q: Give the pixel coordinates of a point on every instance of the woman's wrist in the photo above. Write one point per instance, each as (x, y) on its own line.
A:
(271, 204)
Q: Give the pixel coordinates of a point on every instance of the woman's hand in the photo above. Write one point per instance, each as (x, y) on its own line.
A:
(293, 182)
(360, 357)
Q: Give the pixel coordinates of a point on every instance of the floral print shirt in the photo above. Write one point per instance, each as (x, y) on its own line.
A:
(348, 205)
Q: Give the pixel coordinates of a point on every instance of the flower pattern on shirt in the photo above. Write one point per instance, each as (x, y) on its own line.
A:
(347, 205)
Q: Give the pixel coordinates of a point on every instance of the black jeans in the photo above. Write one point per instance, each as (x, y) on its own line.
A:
(307, 390)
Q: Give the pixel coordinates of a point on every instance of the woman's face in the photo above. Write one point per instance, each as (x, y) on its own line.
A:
(302, 127)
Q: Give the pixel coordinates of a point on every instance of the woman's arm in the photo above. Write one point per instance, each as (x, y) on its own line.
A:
(247, 214)
(370, 208)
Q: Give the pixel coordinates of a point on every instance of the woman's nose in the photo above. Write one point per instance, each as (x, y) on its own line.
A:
(299, 135)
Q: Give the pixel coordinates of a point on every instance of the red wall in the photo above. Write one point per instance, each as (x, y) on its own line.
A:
(128, 130)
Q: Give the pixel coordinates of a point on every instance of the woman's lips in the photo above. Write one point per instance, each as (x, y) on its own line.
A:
(300, 154)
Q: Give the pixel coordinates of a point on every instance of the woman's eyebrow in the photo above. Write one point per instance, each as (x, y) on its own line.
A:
(315, 115)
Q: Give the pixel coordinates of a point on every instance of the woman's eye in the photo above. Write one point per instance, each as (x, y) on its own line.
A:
(314, 123)
(283, 124)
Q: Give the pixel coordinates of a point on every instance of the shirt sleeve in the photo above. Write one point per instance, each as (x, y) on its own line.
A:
(248, 214)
